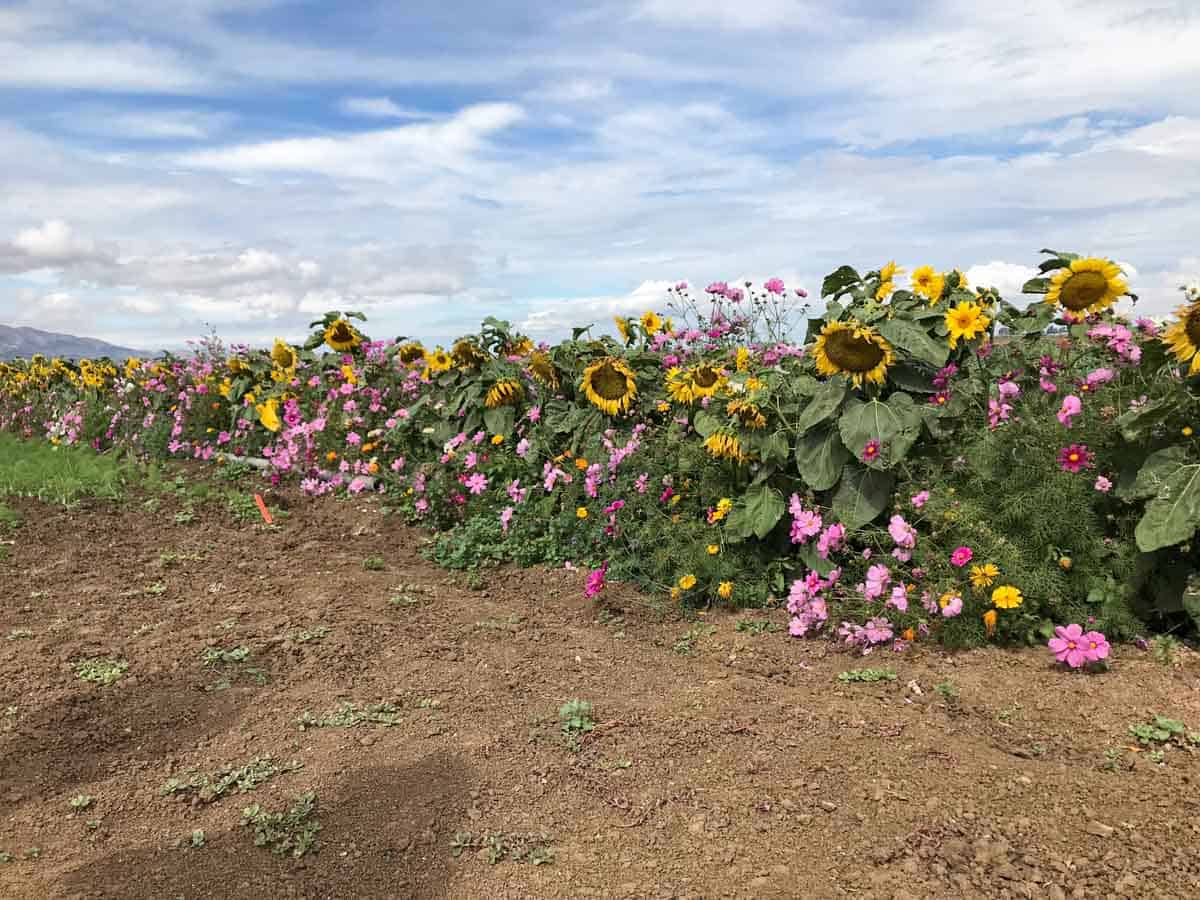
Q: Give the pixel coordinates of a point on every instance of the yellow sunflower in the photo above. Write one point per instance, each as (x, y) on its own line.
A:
(965, 321)
(651, 322)
(848, 348)
(268, 414)
(622, 327)
(723, 445)
(679, 385)
(411, 352)
(928, 283)
(706, 380)
(742, 360)
(747, 413)
(962, 280)
(342, 336)
(1086, 286)
(283, 356)
(236, 366)
(885, 290)
(543, 370)
(890, 271)
(610, 385)
(521, 347)
(508, 392)
(467, 354)
(1183, 337)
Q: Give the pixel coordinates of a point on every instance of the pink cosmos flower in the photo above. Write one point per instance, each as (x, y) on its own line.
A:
(878, 578)
(997, 412)
(902, 533)
(717, 287)
(920, 499)
(774, 286)
(953, 607)
(1067, 645)
(1048, 386)
(477, 483)
(961, 556)
(877, 630)
(1103, 485)
(830, 540)
(522, 447)
(505, 517)
(1097, 377)
(1071, 407)
(1095, 646)
(595, 581)
(870, 451)
(898, 599)
(1075, 458)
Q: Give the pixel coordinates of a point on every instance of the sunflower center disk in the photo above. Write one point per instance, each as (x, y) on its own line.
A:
(609, 383)
(854, 354)
(1192, 327)
(1083, 289)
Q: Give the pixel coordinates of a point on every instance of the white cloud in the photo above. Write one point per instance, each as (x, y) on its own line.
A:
(379, 108)
(1006, 277)
(53, 244)
(159, 125)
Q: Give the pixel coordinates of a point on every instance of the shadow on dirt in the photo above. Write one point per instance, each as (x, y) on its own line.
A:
(385, 834)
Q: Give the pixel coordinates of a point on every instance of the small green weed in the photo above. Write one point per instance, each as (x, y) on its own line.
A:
(948, 690)
(1163, 648)
(229, 779)
(575, 720)
(866, 675)
(308, 635)
(292, 833)
(81, 802)
(686, 645)
(374, 564)
(499, 846)
(1160, 731)
(232, 663)
(755, 626)
(351, 715)
(102, 670)
(194, 840)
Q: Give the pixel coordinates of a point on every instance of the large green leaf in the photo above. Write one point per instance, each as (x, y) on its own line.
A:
(839, 282)
(825, 402)
(1036, 286)
(1134, 421)
(863, 494)
(1173, 514)
(775, 448)
(913, 338)
(1032, 320)
(500, 420)
(912, 377)
(896, 425)
(1158, 467)
(820, 456)
(758, 511)
(706, 422)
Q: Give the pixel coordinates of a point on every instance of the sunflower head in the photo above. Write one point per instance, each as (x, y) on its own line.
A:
(890, 271)
(519, 347)
(679, 385)
(965, 321)
(724, 445)
(858, 351)
(1087, 286)
(507, 392)
(610, 385)
(651, 322)
(236, 366)
(543, 370)
(747, 413)
(283, 356)
(411, 352)
(467, 354)
(268, 414)
(1183, 337)
(706, 379)
(928, 283)
(341, 336)
(622, 324)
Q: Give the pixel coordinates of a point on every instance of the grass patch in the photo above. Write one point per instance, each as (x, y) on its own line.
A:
(229, 779)
(63, 475)
(102, 670)
(350, 715)
(866, 675)
(498, 846)
(292, 833)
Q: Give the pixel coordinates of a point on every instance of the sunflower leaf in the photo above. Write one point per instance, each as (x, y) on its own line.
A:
(1036, 286)
(839, 282)
(757, 513)
(1173, 515)
(909, 336)
(706, 423)
(1155, 471)
(820, 458)
(895, 425)
(500, 420)
(864, 493)
(825, 402)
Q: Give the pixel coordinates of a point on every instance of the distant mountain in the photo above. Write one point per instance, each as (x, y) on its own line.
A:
(24, 342)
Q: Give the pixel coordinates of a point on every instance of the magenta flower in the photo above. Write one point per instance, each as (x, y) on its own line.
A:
(774, 286)
(997, 412)
(920, 499)
(717, 287)
(1097, 377)
(830, 540)
(595, 581)
(870, 451)
(1095, 646)
(505, 517)
(1075, 458)
(477, 483)
(1071, 407)
(1103, 485)
(1067, 645)
(961, 556)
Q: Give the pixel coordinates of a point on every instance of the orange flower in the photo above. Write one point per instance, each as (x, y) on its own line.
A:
(989, 622)
(581, 464)
(330, 456)
(908, 634)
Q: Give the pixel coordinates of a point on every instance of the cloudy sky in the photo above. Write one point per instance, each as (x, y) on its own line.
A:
(249, 164)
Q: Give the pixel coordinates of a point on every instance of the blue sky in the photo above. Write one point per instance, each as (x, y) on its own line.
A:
(247, 165)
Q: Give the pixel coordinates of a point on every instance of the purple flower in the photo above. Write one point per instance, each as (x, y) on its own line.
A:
(595, 581)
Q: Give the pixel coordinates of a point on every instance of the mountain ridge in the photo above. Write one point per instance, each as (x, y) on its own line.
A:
(20, 341)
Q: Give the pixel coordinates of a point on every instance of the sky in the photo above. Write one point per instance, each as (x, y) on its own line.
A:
(245, 165)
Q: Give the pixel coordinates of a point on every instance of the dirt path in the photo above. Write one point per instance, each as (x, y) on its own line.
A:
(739, 768)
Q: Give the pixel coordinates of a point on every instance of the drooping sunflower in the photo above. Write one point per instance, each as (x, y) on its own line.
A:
(622, 324)
(859, 351)
(283, 356)
(724, 445)
(1087, 286)
(651, 322)
(966, 321)
(928, 283)
(747, 413)
(610, 385)
(236, 366)
(467, 354)
(507, 392)
(342, 336)
(962, 279)
(519, 347)
(543, 370)
(1183, 337)
(411, 352)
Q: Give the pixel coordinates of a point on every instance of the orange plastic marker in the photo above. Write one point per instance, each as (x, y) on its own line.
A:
(262, 508)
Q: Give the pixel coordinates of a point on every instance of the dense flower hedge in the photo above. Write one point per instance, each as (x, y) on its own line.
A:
(930, 462)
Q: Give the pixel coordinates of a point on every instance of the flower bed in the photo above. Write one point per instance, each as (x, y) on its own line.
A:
(910, 471)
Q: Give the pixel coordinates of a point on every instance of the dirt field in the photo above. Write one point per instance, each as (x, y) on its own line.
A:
(730, 764)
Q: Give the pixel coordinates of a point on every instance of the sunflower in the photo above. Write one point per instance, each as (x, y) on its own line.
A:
(236, 366)
(962, 279)
(1086, 285)
(519, 347)
(747, 413)
(651, 322)
(440, 361)
(283, 356)
(622, 327)
(610, 385)
(890, 271)
(411, 352)
(467, 354)
(544, 371)
(724, 445)
(706, 380)
(508, 392)
(965, 321)
(1183, 337)
(268, 414)
(928, 283)
(885, 290)
(342, 336)
(848, 348)
(742, 360)
(679, 385)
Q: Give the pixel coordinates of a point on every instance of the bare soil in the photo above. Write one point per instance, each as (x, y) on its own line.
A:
(741, 768)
